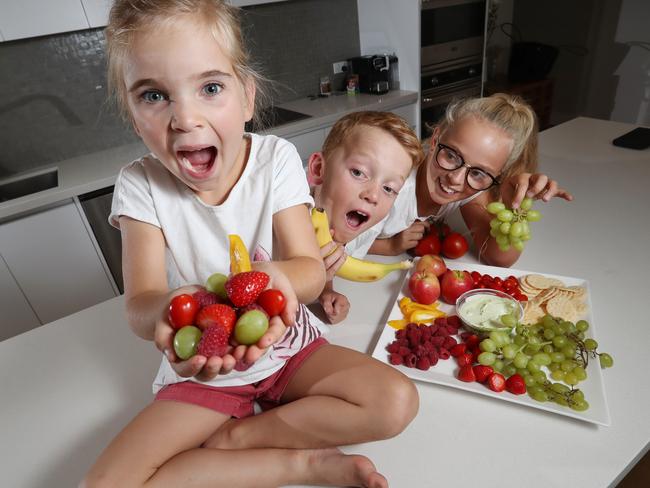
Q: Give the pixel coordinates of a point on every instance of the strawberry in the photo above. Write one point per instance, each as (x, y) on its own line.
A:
(458, 349)
(244, 288)
(496, 382)
(214, 342)
(482, 372)
(516, 384)
(465, 359)
(252, 306)
(216, 314)
(205, 298)
(466, 373)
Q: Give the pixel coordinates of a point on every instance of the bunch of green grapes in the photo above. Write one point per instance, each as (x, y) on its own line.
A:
(545, 354)
(510, 227)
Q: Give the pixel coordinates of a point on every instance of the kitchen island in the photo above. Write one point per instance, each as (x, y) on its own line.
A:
(68, 387)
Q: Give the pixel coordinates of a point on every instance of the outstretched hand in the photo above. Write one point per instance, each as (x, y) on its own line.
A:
(335, 305)
(238, 355)
(537, 186)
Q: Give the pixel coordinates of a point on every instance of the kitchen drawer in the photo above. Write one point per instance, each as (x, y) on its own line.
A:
(32, 18)
(17, 315)
(54, 262)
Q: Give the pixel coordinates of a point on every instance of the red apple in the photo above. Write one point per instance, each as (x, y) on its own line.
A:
(433, 262)
(429, 244)
(454, 283)
(424, 287)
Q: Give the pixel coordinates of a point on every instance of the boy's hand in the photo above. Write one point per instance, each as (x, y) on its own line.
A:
(537, 186)
(335, 305)
(409, 238)
(334, 256)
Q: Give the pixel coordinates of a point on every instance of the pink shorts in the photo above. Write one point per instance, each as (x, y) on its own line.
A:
(238, 401)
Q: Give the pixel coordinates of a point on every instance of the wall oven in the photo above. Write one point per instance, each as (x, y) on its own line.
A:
(451, 29)
(451, 61)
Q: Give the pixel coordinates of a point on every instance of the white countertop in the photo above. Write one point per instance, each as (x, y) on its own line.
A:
(89, 172)
(68, 387)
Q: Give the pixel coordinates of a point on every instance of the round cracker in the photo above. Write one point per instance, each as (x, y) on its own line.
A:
(540, 281)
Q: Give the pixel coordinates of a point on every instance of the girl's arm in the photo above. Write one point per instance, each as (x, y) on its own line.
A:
(298, 252)
(537, 186)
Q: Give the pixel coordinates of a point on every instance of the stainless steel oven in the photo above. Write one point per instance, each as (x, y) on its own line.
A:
(444, 83)
(451, 29)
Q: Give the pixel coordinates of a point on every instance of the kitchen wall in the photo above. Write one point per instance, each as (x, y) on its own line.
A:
(53, 89)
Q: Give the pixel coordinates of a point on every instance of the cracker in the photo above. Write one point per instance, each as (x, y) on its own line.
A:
(562, 307)
(532, 313)
(539, 281)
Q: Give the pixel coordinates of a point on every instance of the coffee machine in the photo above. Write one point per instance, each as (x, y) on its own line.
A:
(377, 72)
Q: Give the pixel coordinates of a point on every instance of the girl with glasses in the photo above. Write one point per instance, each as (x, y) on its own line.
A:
(483, 149)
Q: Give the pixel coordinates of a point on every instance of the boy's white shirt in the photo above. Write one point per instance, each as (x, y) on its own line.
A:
(400, 217)
(196, 234)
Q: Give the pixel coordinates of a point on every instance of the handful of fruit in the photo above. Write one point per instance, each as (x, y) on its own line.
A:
(442, 240)
(237, 307)
(509, 227)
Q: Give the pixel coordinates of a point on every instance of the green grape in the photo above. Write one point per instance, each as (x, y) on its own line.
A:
(538, 395)
(495, 223)
(548, 321)
(533, 215)
(591, 345)
(519, 246)
(526, 204)
(557, 357)
(504, 247)
(540, 376)
(568, 365)
(569, 351)
(519, 340)
(250, 327)
(606, 361)
(548, 349)
(520, 360)
(580, 373)
(487, 345)
(516, 229)
(542, 359)
(502, 240)
(582, 325)
(530, 381)
(495, 207)
(509, 351)
(509, 369)
(486, 358)
(559, 341)
(498, 337)
(525, 237)
(505, 215)
(504, 228)
(580, 405)
(186, 341)
(570, 378)
(558, 375)
(509, 320)
(533, 367)
(560, 388)
(494, 233)
(549, 333)
(553, 367)
(498, 365)
(577, 395)
(216, 283)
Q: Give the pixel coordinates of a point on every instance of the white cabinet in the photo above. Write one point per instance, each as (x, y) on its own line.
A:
(17, 315)
(308, 143)
(31, 18)
(97, 11)
(52, 257)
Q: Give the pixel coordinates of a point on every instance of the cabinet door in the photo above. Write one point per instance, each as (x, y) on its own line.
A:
(17, 316)
(308, 143)
(31, 18)
(408, 113)
(52, 257)
(97, 11)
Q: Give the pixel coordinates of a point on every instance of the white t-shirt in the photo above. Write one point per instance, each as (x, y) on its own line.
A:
(400, 217)
(196, 234)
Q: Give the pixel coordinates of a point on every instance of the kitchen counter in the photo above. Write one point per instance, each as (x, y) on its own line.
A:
(94, 171)
(68, 387)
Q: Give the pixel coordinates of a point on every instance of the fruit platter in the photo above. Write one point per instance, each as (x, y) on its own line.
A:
(542, 353)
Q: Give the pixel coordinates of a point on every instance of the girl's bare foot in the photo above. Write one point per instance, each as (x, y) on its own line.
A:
(332, 467)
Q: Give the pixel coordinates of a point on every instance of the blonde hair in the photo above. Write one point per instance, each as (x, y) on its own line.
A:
(511, 114)
(393, 124)
(131, 17)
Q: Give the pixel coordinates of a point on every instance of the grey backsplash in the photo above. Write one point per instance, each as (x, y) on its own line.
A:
(53, 89)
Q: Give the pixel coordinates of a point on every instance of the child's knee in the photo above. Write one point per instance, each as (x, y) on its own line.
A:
(399, 406)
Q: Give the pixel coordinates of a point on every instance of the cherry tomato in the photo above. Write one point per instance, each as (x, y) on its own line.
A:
(476, 277)
(272, 301)
(454, 246)
(182, 310)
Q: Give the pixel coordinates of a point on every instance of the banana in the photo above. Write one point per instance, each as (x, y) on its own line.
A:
(353, 269)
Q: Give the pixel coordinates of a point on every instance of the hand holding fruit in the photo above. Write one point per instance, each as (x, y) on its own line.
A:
(410, 237)
(536, 186)
(334, 256)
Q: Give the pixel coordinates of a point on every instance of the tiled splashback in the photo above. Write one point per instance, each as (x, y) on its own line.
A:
(53, 89)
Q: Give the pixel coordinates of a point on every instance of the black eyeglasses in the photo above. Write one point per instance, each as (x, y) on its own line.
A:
(477, 179)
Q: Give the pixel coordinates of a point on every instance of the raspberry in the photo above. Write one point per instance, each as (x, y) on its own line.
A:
(214, 342)
(395, 359)
(454, 321)
(404, 351)
(449, 342)
(443, 353)
(393, 347)
(437, 341)
(410, 360)
(205, 298)
(440, 321)
(423, 363)
(433, 358)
